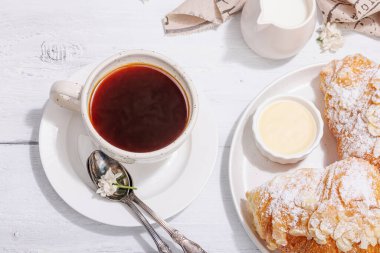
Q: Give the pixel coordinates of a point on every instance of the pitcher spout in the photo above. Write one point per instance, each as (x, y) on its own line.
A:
(262, 23)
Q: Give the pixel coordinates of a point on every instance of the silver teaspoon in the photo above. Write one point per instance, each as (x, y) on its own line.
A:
(101, 160)
(98, 164)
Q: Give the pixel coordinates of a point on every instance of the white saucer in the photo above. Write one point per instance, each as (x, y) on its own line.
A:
(167, 187)
(249, 169)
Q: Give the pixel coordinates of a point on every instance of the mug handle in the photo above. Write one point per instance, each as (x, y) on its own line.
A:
(67, 94)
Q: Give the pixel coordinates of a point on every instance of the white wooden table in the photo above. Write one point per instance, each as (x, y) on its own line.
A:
(32, 216)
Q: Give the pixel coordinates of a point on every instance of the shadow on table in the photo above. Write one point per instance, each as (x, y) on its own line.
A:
(66, 211)
(226, 191)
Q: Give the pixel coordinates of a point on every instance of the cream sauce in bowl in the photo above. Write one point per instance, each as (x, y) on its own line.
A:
(287, 128)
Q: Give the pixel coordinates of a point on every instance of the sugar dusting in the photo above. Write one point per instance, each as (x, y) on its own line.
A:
(351, 87)
(341, 202)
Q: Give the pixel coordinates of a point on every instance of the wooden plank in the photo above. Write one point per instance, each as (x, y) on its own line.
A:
(49, 40)
(35, 219)
(52, 40)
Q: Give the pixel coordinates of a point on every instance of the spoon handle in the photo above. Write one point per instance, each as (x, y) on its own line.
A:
(161, 245)
(187, 245)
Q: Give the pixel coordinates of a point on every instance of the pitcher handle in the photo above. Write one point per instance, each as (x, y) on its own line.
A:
(67, 94)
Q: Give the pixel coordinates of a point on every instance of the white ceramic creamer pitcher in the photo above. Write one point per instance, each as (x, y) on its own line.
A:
(278, 29)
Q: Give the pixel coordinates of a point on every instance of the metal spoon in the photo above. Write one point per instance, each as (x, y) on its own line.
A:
(100, 162)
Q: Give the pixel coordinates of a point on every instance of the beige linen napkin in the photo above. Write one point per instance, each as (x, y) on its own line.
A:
(359, 15)
(196, 15)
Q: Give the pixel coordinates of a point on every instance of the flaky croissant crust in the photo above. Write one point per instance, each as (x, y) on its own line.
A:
(316, 210)
(351, 89)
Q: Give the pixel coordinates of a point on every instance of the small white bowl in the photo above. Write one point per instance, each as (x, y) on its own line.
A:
(281, 158)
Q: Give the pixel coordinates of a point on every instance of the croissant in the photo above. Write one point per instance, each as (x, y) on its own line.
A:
(316, 210)
(351, 89)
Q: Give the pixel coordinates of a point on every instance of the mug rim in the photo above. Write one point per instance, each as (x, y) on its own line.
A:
(125, 154)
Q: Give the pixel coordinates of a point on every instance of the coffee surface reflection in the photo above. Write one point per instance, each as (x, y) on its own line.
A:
(139, 108)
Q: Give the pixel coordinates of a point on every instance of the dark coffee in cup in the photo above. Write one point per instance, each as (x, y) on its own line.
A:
(139, 108)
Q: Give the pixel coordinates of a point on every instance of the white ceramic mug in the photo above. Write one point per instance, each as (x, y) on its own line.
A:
(77, 97)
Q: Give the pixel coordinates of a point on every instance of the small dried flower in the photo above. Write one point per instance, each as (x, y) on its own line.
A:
(330, 38)
(108, 184)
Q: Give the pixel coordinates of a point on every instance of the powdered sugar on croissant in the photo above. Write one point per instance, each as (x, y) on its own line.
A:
(316, 210)
(352, 106)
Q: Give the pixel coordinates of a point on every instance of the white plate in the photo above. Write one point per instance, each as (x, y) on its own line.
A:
(248, 168)
(167, 187)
